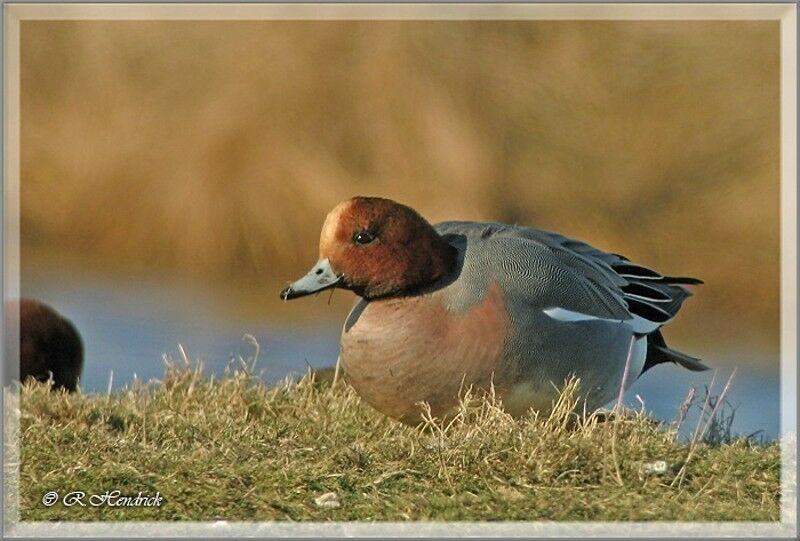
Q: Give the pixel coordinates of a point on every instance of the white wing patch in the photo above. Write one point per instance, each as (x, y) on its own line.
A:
(639, 324)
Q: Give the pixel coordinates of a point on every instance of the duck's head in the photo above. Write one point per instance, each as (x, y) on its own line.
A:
(376, 248)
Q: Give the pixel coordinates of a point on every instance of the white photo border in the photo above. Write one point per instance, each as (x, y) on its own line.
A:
(786, 13)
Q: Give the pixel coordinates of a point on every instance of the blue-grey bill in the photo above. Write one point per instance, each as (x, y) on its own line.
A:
(319, 278)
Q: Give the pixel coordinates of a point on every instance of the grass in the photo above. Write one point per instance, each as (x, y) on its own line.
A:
(232, 449)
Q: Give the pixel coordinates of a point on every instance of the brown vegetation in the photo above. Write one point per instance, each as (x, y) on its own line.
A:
(213, 150)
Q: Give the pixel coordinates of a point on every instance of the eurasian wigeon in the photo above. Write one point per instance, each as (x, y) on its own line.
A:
(461, 304)
(49, 344)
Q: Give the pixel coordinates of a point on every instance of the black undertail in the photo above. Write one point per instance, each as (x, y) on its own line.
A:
(658, 352)
(657, 298)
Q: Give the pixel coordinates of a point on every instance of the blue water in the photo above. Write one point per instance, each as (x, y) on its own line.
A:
(128, 329)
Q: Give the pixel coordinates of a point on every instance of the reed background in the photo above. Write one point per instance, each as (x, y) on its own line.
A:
(210, 152)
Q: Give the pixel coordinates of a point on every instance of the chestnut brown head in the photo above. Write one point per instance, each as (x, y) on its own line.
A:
(376, 248)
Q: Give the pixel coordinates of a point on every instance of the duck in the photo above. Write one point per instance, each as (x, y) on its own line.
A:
(500, 308)
(50, 345)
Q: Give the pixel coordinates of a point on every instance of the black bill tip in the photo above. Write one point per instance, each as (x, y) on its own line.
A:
(288, 293)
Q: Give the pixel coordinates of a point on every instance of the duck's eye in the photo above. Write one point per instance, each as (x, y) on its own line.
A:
(363, 237)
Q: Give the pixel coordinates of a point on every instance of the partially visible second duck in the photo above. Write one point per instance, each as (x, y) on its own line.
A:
(49, 344)
(461, 304)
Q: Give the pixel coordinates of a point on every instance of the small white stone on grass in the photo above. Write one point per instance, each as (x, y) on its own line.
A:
(657, 467)
(329, 500)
